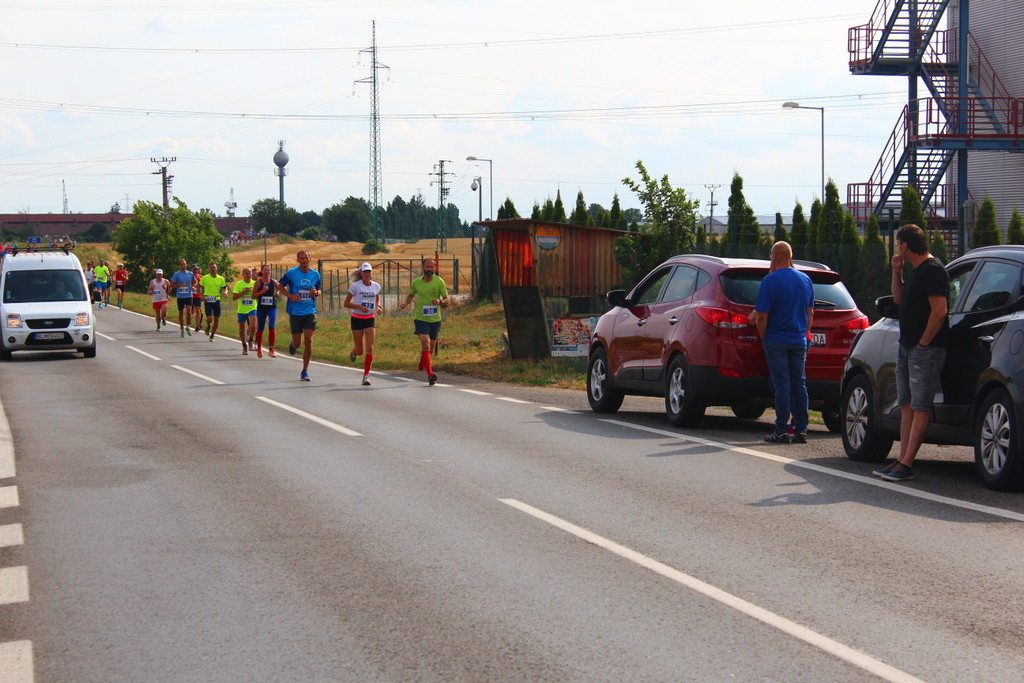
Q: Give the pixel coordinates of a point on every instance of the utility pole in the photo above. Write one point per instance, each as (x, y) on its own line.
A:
(376, 172)
(712, 204)
(164, 162)
(64, 191)
(442, 214)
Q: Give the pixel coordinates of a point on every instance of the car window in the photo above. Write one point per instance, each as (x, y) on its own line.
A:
(742, 286)
(995, 286)
(958, 280)
(23, 286)
(648, 291)
(681, 285)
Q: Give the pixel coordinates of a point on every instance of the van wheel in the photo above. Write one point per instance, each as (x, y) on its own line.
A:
(89, 352)
(603, 397)
(863, 440)
(681, 404)
(997, 443)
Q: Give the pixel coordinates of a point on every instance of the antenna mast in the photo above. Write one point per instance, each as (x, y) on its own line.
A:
(376, 173)
(64, 190)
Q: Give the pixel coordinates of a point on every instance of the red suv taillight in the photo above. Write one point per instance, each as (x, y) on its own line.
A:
(846, 332)
(726, 320)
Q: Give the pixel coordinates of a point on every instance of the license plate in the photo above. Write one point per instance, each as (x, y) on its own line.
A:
(817, 338)
(49, 335)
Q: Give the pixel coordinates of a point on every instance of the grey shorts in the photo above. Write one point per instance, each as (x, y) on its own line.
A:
(918, 373)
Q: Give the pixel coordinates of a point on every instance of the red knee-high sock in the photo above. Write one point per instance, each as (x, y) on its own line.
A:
(259, 339)
(426, 363)
(423, 359)
(271, 338)
(367, 362)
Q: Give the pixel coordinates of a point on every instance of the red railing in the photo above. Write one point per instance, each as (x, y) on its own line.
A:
(992, 118)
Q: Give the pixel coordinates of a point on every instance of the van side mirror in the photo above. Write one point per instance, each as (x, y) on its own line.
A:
(617, 297)
(886, 307)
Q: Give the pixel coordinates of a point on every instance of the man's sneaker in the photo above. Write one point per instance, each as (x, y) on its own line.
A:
(272, 353)
(188, 330)
(884, 470)
(352, 356)
(776, 437)
(432, 380)
(800, 437)
(164, 322)
(899, 472)
(304, 376)
(366, 381)
(158, 327)
(182, 332)
(119, 306)
(291, 348)
(211, 337)
(259, 352)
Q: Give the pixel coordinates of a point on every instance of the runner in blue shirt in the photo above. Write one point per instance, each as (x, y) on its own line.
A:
(182, 283)
(301, 286)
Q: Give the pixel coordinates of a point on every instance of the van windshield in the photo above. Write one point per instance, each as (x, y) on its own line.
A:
(30, 286)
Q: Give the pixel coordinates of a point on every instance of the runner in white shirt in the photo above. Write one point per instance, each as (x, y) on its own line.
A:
(364, 300)
(159, 287)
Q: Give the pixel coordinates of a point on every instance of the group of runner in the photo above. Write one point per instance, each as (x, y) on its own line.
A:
(101, 277)
(256, 308)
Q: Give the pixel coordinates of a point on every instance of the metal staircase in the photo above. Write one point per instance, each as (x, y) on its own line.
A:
(902, 39)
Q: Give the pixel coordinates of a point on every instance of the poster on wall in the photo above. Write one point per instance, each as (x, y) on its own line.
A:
(571, 336)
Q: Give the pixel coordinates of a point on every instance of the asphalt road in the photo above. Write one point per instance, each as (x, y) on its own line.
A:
(174, 511)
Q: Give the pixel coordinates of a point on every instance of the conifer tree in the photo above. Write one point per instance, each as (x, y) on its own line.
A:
(938, 247)
(507, 210)
(1015, 231)
(873, 271)
(911, 210)
(849, 252)
(798, 234)
(986, 231)
(580, 215)
(558, 215)
(780, 229)
(537, 214)
(813, 226)
(615, 217)
(831, 226)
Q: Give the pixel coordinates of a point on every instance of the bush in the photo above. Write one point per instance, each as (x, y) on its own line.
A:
(310, 233)
(372, 246)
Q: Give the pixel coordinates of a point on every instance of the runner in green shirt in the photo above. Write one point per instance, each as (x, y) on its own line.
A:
(431, 295)
(213, 286)
(242, 293)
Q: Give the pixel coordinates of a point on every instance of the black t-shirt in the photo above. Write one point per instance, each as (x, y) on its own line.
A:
(928, 279)
(267, 291)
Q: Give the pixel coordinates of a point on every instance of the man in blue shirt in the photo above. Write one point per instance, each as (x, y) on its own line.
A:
(182, 283)
(783, 314)
(301, 286)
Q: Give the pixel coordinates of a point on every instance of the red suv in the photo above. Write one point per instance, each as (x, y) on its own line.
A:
(684, 333)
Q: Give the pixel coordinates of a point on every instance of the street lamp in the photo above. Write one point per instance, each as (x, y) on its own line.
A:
(478, 185)
(797, 105)
(490, 180)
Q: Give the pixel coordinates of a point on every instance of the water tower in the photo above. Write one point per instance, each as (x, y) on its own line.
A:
(281, 160)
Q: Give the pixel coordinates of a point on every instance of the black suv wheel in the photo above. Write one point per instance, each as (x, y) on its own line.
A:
(862, 439)
(603, 397)
(997, 443)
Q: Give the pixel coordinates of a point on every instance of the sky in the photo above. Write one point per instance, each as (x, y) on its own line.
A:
(561, 95)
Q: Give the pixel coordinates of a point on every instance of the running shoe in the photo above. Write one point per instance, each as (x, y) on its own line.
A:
(211, 337)
(800, 437)
(272, 353)
(164, 322)
(366, 381)
(432, 380)
(119, 306)
(183, 333)
(884, 470)
(245, 351)
(158, 327)
(189, 331)
(259, 352)
(304, 376)
(291, 348)
(352, 356)
(899, 472)
(777, 437)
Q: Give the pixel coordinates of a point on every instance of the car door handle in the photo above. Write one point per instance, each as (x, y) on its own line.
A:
(641, 322)
(987, 339)
(673, 320)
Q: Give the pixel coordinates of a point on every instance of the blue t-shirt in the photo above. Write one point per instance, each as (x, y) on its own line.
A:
(785, 296)
(182, 278)
(297, 282)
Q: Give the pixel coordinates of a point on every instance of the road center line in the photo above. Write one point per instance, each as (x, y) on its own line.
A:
(861, 479)
(560, 410)
(13, 585)
(813, 638)
(510, 400)
(196, 374)
(105, 336)
(309, 416)
(9, 497)
(11, 535)
(16, 661)
(147, 355)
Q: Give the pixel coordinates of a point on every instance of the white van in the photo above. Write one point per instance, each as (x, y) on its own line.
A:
(44, 304)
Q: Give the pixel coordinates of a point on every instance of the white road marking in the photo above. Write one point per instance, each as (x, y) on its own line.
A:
(11, 535)
(813, 638)
(859, 478)
(9, 497)
(6, 447)
(105, 336)
(560, 410)
(147, 355)
(196, 374)
(511, 400)
(16, 664)
(475, 392)
(312, 418)
(13, 585)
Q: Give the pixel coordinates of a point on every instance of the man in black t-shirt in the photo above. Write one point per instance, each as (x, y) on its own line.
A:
(924, 329)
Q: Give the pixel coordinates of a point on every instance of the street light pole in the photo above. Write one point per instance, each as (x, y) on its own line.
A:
(477, 186)
(797, 105)
(490, 180)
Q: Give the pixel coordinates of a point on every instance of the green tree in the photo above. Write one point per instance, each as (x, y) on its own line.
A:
(744, 231)
(1015, 231)
(780, 229)
(798, 234)
(813, 227)
(831, 225)
(580, 215)
(274, 217)
(986, 231)
(939, 249)
(507, 210)
(157, 238)
(311, 217)
(848, 253)
(670, 219)
(616, 219)
(348, 221)
(537, 214)
(97, 232)
(558, 210)
(911, 210)
(874, 275)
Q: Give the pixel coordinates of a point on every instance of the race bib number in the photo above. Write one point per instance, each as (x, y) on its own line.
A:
(267, 300)
(120, 283)
(429, 311)
(211, 299)
(246, 302)
(304, 295)
(369, 305)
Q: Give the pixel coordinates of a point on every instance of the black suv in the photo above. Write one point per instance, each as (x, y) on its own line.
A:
(981, 400)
